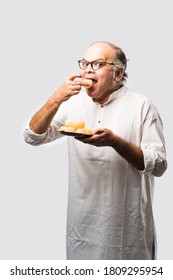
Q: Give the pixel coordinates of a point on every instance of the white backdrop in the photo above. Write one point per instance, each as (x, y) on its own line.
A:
(41, 42)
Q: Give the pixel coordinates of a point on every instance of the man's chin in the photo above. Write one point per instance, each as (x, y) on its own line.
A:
(90, 94)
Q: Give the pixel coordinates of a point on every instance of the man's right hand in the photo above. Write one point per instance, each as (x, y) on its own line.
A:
(41, 120)
(70, 87)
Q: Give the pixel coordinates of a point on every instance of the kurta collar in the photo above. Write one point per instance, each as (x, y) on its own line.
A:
(113, 96)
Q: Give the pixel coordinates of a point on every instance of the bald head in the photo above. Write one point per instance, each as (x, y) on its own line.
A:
(114, 52)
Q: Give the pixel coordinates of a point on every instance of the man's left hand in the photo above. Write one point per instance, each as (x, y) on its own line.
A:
(100, 137)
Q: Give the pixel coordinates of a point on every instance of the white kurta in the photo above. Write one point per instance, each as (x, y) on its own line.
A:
(110, 202)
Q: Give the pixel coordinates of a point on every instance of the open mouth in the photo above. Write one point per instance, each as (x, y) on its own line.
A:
(93, 80)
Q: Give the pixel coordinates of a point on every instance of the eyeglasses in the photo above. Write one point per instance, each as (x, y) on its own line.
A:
(96, 64)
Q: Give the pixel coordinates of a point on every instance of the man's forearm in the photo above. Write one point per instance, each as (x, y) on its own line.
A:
(41, 120)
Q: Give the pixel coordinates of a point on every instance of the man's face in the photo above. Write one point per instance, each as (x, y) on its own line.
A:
(104, 82)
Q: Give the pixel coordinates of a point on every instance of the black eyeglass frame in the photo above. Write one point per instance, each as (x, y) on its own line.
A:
(102, 63)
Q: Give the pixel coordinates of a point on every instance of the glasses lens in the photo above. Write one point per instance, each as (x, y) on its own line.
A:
(96, 64)
(83, 64)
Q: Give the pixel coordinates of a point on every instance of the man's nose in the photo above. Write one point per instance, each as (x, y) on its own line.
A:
(89, 68)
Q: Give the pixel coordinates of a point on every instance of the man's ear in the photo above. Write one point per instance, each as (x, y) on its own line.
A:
(119, 74)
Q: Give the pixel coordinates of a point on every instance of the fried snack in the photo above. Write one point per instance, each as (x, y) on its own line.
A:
(87, 83)
(67, 128)
(75, 126)
(84, 130)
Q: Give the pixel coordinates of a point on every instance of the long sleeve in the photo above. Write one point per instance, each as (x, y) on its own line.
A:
(153, 143)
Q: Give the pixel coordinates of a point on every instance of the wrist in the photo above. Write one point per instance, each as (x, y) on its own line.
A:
(56, 100)
(114, 141)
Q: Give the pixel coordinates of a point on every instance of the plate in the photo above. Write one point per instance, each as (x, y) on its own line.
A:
(75, 134)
